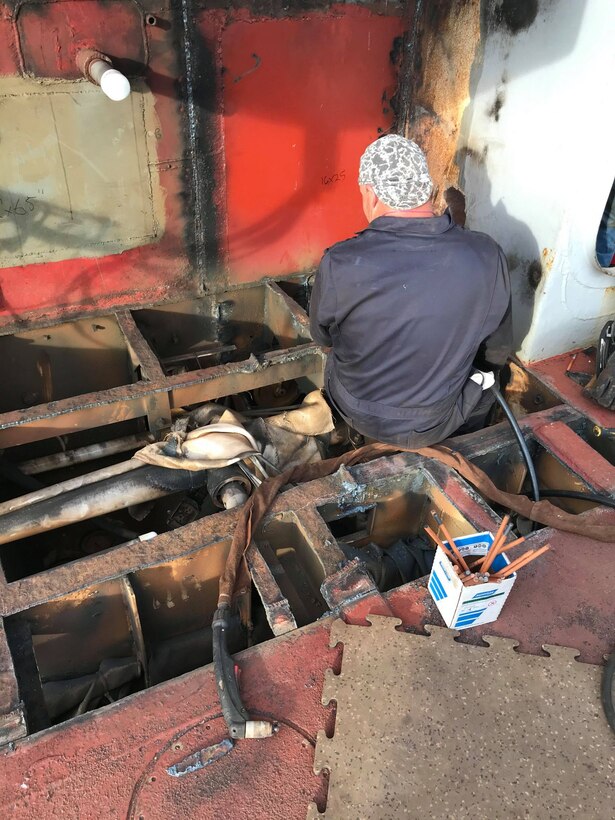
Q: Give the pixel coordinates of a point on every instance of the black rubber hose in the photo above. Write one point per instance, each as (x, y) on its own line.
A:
(520, 438)
(606, 692)
(596, 498)
(604, 500)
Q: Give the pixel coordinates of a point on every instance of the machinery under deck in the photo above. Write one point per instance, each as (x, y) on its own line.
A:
(122, 760)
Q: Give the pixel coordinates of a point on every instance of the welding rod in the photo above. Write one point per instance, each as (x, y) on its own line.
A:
(524, 559)
(451, 541)
(495, 543)
(470, 580)
(513, 566)
(571, 362)
(502, 548)
(437, 541)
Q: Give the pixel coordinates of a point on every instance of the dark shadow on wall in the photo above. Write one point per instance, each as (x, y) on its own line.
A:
(519, 244)
(30, 217)
(77, 235)
(501, 24)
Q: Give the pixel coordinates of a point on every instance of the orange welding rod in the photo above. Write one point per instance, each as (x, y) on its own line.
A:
(471, 580)
(451, 541)
(502, 548)
(437, 541)
(524, 559)
(509, 568)
(495, 544)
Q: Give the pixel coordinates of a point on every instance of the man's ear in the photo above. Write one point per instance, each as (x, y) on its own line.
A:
(370, 200)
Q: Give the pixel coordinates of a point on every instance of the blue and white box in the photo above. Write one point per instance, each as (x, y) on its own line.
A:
(465, 606)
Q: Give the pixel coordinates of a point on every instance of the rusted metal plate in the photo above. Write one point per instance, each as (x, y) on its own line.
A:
(65, 772)
(553, 374)
(61, 200)
(453, 730)
(51, 34)
(570, 449)
(12, 719)
(143, 357)
(61, 364)
(566, 597)
(277, 608)
(124, 403)
(43, 38)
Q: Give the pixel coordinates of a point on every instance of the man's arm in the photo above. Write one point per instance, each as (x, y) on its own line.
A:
(498, 345)
(323, 304)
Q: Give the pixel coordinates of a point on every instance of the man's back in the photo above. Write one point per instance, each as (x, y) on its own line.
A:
(405, 305)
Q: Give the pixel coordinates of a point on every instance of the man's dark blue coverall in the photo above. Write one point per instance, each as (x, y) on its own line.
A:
(405, 306)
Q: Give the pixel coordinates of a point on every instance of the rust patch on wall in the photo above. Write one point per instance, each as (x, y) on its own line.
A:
(548, 258)
(447, 40)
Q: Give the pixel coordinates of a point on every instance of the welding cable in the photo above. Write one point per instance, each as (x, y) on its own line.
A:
(520, 438)
(607, 692)
(235, 714)
(603, 500)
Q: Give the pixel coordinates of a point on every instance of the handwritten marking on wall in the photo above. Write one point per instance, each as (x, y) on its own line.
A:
(21, 206)
(338, 177)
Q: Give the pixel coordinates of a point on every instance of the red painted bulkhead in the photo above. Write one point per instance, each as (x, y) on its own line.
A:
(257, 170)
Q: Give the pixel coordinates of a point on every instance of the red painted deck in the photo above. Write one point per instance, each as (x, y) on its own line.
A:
(552, 373)
(114, 763)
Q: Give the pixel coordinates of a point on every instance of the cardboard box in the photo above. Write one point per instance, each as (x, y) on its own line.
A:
(461, 606)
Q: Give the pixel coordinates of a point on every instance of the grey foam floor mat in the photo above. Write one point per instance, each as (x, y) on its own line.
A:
(427, 727)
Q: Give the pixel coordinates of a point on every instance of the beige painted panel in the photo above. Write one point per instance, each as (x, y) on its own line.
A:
(77, 171)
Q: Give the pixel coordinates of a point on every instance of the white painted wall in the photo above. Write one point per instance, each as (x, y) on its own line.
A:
(537, 179)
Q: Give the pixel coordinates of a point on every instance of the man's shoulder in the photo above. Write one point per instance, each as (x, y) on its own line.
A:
(478, 238)
(345, 246)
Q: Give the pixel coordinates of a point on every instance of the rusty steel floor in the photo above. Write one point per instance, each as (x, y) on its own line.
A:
(124, 760)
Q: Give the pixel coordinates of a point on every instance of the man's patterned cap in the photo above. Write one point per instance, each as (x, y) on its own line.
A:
(397, 170)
